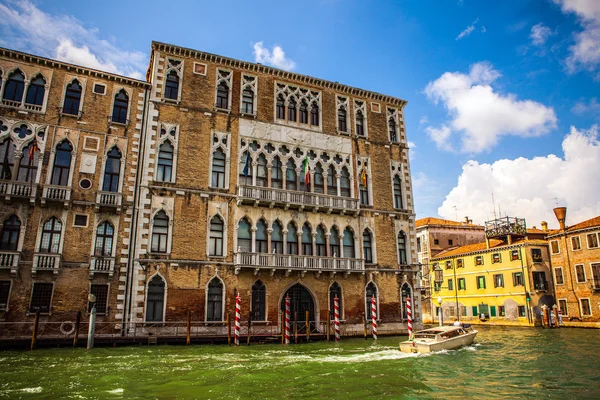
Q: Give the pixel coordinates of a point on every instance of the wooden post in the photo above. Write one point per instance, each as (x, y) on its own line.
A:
(307, 327)
(228, 328)
(188, 338)
(282, 314)
(328, 323)
(36, 321)
(76, 333)
(249, 325)
(365, 326)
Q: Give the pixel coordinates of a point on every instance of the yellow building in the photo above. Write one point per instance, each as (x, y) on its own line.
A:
(502, 281)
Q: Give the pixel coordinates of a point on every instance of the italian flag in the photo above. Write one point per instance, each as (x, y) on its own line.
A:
(305, 171)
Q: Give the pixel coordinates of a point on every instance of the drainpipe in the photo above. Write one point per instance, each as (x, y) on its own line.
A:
(527, 303)
(456, 291)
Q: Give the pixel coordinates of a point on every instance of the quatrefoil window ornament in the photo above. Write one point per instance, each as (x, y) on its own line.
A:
(3, 128)
(22, 131)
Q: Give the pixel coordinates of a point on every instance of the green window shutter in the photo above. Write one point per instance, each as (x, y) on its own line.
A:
(493, 311)
(475, 313)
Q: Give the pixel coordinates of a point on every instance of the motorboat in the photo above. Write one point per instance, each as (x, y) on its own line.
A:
(439, 338)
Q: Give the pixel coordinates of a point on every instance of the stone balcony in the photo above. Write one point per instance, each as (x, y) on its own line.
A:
(108, 200)
(297, 199)
(102, 265)
(57, 194)
(293, 262)
(45, 262)
(10, 260)
(19, 190)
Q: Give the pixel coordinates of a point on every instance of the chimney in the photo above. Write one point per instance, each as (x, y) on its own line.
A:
(544, 226)
(466, 220)
(561, 215)
(470, 221)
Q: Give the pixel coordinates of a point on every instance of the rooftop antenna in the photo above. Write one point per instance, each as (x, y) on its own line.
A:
(455, 213)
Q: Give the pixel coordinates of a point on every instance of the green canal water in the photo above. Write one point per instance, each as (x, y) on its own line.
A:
(504, 363)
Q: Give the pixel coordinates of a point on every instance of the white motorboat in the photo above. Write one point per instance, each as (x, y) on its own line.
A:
(439, 338)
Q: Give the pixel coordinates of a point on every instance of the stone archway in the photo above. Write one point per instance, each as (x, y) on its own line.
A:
(301, 301)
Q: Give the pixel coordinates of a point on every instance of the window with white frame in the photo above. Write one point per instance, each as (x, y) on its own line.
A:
(364, 187)
(14, 88)
(120, 107)
(402, 259)
(592, 240)
(215, 246)
(393, 125)
(562, 307)
(112, 170)
(575, 243)
(367, 246)
(249, 94)
(297, 105)
(580, 273)
(9, 236)
(105, 235)
(166, 159)
(160, 232)
(397, 188)
(214, 301)
(36, 92)
(558, 276)
(360, 118)
(155, 299)
(370, 294)
(72, 100)
(342, 107)
(62, 164)
(554, 248)
(223, 86)
(586, 309)
(4, 294)
(172, 80)
(51, 235)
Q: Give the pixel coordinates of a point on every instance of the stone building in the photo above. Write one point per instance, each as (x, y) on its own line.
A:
(69, 139)
(575, 254)
(435, 235)
(266, 183)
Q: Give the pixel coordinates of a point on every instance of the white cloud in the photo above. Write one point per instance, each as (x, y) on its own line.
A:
(531, 188)
(592, 107)
(479, 114)
(468, 30)
(585, 52)
(539, 34)
(275, 57)
(29, 29)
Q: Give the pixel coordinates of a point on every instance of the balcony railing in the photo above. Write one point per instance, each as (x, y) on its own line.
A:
(103, 265)
(10, 260)
(292, 198)
(298, 263)
(108, 199)
(541, 286)
(45, 262)
(33, 107)
(25, 190)
(11, 103)
(56, 193)
(505, 226)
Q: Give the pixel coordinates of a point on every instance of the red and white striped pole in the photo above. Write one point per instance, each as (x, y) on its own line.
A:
(336, 317)
(236, 332)
(374, 317)
(409, 315)
(287, 319)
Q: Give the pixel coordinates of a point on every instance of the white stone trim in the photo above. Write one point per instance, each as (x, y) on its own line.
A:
(361, 105)
(224, 75)
(216, 209)
(220, 140)
(223, 298)
(148, 280)
(116, 90)
(396, 169)
(364, 163)
(169, 66)
(368, 312)
(174, 140)
(249, 82)
(343, 102)
(69, 78)
(287, 90)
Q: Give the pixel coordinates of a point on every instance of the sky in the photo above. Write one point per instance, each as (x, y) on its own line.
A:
(503, 96)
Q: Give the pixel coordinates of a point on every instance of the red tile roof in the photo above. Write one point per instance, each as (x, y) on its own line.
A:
(446, 222)
(494, 243)
(592, 222)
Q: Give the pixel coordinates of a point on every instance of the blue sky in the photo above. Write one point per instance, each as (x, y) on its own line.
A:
(503, 95)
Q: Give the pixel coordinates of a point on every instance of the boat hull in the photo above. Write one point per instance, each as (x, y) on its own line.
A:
(417, 346)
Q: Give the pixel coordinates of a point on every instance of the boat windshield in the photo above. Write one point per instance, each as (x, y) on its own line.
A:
(425, 336)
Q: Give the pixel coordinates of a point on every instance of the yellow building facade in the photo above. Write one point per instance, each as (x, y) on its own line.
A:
(502, 281)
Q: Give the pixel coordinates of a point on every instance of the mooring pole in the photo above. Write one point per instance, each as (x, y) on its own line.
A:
(307, 327)
(76, 333)
(90, 341)
(228, 328)
(36, 321)
(188, 337)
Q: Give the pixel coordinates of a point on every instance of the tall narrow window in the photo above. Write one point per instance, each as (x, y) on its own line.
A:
(223, 96)
(290, 175)
(334, 242)
(320, 241)
(35, 92)
(112, 170)
(41, 297)
(367, 247)
(218, 169)
(292, 109)
(314, 114)
(155, 300)
(335, 290)
(101, 293)
(51, 233)
(303, 112)
(120, 107)
(104, 240)
(345, 183)
(248, 101)
(342, 125)
(244, 236)
(215, 244)
(262, 239)
(62, 164)
(259, 301)
(261, 171)
(4, 285)
(292, 239)
(397, 193)
(402, 248)
(7, 159)
(245, 169)
(277, 238)
(280, 107)
(165, 162)
(360, 120)
(29, 163)
(160, 232)
(364, 189)
(307, 247)
(9, 239)
(214, 303)
(72, 98)
(349, 244)
(331, 181)
(15, 85)
(276, 173)
(172, 86)
(370, 292)
(319, 184)
(392, 130)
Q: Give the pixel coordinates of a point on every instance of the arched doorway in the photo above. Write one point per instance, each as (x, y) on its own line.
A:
(301, 301)
(155, 300)
(406, 293)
